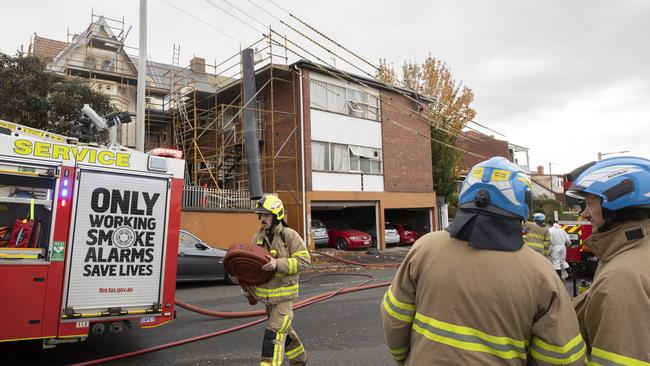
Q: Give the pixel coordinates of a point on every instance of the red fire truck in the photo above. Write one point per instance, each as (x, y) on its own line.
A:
(578, 254)
(88, 237)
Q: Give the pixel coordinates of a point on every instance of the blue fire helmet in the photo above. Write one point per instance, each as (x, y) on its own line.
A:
(538, 216)
(620, 182)
(497, 186)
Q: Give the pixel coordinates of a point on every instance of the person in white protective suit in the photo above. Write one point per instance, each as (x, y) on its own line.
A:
(559, 240)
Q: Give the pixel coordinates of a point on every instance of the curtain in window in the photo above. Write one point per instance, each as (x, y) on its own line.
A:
(319, 156)
(336, 98)
(318, 94)
(340, 159)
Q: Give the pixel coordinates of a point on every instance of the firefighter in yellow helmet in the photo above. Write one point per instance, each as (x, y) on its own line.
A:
(289, 256)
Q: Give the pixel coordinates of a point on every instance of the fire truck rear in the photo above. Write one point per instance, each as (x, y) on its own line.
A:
(88, 237)
(579, 254)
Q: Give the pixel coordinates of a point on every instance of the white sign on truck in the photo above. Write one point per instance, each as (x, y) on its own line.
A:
(118, 243)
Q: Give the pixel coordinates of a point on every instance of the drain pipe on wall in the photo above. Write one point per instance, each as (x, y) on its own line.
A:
(302, 148)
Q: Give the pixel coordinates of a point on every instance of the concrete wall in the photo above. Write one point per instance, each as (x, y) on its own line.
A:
(220, 229)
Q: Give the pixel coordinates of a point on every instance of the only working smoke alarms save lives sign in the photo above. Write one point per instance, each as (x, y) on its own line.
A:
(117, 248)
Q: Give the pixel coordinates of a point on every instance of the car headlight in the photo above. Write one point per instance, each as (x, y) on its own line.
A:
(357, 237)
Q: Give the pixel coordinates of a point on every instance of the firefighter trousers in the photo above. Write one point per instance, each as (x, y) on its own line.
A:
(280, 339)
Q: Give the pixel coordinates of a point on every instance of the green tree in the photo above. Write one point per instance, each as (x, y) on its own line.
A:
(547, 206)
(449, 112)
(32, 96)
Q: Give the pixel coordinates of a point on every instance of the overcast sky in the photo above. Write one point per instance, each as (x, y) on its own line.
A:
(564, 78)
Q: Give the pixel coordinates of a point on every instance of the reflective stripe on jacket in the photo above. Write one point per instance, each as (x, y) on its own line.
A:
(537, 238)
(452, 304)
(614, 312)
(292, 257)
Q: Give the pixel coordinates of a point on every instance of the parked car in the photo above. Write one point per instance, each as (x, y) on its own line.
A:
(319, 232)
(342, 236)
(390, 234)
(368, 228)
(406, 233)
(197, 261)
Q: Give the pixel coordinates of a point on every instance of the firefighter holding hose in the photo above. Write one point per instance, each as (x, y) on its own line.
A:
(289, 256)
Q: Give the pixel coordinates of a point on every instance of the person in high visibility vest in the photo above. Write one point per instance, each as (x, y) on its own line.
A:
(537, 236)
(613, 312)
(474, 294)
(289, 256)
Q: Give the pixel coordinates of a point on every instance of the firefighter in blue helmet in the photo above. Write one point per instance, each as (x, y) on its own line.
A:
(613, 313)
(537, 236)
(289, 256)
(474, 294)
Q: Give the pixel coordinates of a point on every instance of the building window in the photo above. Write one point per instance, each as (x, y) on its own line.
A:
(320, 156)
(340, 158)
(365, 159)
(337, 99)
(107, 65)
(345, 158)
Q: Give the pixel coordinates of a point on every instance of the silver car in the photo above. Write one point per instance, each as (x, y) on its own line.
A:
(390, 234)
(197, 261)
(319, 232)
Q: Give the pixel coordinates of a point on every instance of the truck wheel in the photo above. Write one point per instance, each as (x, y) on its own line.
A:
(341, 244)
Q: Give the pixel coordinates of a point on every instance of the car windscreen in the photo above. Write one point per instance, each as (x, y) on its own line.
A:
(339, 226)
(317, 225)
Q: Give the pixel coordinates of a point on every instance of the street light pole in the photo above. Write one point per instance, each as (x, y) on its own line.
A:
(600, 155)
(142, 73)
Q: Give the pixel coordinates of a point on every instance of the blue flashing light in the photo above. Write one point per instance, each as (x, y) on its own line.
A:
(65, 182)
(64, 192)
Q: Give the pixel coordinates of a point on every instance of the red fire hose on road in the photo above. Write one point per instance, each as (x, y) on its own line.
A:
(242, 314)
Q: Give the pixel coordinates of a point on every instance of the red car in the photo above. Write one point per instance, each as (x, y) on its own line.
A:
(344, 237)
(407, 235)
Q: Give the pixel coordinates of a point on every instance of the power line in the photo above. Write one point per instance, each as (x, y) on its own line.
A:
(338, 77)
(359, 57)
(391, 87)
(236, 17)
(203, 22)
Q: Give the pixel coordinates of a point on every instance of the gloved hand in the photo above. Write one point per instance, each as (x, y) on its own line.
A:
(248, 292)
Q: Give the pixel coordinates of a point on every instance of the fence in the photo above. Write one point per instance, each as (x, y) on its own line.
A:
(211, 198)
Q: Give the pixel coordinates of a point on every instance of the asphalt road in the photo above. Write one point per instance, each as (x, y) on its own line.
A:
(344, 330)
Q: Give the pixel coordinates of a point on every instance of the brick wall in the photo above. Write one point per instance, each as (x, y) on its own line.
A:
(406, 154)
(481, 144)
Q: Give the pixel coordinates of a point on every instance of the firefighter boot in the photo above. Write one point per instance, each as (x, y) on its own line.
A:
(294, 350)
(279, 323)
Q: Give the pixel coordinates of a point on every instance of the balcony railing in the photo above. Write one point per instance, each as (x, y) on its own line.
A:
(216, 199)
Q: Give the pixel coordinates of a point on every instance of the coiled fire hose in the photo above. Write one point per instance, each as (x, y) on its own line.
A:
(244, 314)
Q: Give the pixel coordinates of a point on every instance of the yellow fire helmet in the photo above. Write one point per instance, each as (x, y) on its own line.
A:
(270, 204)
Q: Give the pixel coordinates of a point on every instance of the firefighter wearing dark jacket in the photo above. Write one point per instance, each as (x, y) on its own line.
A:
(614, 312)
(289, 256)
(474, 294)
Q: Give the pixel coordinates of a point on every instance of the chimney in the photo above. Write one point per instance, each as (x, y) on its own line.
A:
(540, 169)
(197, 64)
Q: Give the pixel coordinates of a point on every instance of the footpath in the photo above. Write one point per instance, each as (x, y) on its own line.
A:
(391, 257)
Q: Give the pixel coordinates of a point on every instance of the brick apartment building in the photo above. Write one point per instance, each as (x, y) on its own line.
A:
(364, 151)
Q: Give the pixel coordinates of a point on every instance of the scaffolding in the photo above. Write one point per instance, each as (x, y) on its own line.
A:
(198, 108)
(206, 110)
(99, 58)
